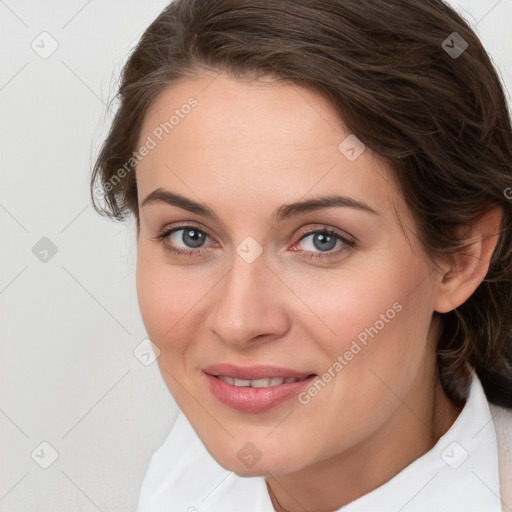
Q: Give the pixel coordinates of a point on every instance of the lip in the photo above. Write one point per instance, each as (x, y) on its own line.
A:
(254, 372)
(254, 400)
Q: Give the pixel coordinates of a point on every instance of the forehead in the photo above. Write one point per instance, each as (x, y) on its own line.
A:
(231, 137)
(259, 111)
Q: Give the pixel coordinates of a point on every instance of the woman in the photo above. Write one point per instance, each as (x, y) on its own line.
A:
(324, 254)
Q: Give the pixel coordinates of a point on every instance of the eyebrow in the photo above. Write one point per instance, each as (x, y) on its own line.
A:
(283, 212)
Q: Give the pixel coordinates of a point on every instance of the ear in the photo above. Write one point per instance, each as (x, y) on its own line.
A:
(469, 267)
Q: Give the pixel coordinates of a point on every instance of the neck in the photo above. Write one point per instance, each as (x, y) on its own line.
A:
(331, 484)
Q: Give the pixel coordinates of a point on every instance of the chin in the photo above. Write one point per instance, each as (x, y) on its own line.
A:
(250, 462)
(252, 472)
(259, 469)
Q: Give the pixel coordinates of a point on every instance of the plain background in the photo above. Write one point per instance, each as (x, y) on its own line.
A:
(70, 324)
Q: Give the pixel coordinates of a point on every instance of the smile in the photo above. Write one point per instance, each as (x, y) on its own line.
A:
(255, 389)
(259, 383)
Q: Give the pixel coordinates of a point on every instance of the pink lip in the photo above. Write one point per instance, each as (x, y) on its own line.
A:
(248, 399)
(253, 372)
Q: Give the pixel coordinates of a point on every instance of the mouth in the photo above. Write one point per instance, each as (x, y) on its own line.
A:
(258, 383)
(257, 388)
(252, 373)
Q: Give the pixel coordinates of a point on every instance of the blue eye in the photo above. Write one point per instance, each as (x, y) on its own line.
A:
(190, 237)
(321, 243)
(317, 243)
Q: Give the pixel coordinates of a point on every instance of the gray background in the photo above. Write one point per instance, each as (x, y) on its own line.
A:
(70, 321)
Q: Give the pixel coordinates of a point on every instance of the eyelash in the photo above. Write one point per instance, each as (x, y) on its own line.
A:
(325, 230)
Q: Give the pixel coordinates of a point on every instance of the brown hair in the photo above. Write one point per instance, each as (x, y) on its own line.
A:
(403, 83)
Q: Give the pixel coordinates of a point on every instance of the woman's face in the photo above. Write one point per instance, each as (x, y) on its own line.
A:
(259, 282)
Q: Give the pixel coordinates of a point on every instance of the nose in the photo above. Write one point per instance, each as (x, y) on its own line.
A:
(250, 303)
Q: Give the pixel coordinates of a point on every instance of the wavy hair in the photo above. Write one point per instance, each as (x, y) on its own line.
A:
(409, 78)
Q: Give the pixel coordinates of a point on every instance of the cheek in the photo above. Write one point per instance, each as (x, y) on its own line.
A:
(354, 303)
(376, 354)
(173, 303)
(167, 302)
(164, 299)
(369, 324)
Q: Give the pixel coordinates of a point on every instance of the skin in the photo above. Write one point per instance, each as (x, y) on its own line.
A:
(244, 151)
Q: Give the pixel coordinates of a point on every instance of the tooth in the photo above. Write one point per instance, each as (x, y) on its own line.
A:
(241, 382)
(260, 383)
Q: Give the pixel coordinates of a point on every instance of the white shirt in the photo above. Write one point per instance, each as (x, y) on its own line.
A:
(460, 473)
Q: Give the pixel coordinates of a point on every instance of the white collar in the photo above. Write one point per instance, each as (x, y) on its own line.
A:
(460, 473)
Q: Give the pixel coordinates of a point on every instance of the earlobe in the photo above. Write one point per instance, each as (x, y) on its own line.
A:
(469, 266)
